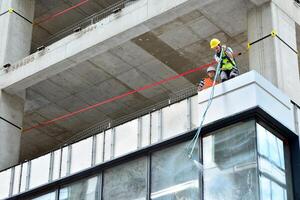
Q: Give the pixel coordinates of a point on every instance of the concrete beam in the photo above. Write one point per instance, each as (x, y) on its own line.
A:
(135, 19)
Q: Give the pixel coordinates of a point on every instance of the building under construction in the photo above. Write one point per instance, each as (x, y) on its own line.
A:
(99, 100)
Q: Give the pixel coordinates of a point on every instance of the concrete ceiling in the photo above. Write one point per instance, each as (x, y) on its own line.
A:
(168, 50)
(45, 8)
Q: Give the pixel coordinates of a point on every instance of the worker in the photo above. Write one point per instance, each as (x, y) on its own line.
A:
(208, 82)
(228, 65)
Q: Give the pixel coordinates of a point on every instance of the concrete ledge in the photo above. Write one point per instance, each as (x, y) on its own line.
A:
(243, 93)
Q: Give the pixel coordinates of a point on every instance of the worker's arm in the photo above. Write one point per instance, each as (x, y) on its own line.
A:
(201, 85)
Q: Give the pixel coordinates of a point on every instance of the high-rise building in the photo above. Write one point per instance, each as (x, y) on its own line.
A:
(98, 100)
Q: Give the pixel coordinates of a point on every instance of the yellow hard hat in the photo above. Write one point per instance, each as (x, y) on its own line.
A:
(214, 43)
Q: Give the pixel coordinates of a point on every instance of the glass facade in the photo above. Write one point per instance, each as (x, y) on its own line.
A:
(250, 160)
(229, 160)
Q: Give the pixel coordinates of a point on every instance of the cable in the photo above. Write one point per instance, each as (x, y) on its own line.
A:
(60, 13)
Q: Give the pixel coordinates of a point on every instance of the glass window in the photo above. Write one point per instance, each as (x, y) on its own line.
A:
(56, 164)
(145, 128)
(155, 126)
(81, 156)
(126, 138)
(49, 196)
(39, 171)
(17, 177)
(87, 189)
(64, 161)
(126, 182)
(174, 119)
(195, 114)
(99, 148)
(229, 159)
(107, 145)
(24, 177)
(5, 183)
(174, 175)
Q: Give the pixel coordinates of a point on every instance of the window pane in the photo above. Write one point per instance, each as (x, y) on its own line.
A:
(126, 182)
(174, 176)
(174, 119)
(81, 155)
(265, 188)
(155, 126)
(278, 193)
(126, 138)
(5, 183)
(145, 130)
(50, 196)
(195, 114)
(64, 161)
(262, 137)
(107, 145)
(267, 167)
(17, 177)
(84, 190)
(99, 148)
(230, 168)
(24, 177)
(56, 164)
(39, 172)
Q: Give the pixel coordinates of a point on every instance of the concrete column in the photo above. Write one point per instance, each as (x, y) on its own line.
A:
(271, 57)
(15, 31)
(11, 116)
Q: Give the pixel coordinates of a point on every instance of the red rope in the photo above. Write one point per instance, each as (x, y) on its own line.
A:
(66, 116)
(61, 12)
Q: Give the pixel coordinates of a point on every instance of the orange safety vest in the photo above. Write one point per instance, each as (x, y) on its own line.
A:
(208, 82)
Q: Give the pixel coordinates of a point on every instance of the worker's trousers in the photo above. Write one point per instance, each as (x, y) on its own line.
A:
(228, 74)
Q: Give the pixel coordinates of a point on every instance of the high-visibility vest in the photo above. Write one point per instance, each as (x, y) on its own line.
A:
(227, 63)
(208, 82)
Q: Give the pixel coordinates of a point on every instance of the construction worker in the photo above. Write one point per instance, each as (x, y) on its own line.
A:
(228, 65)
(208, 82)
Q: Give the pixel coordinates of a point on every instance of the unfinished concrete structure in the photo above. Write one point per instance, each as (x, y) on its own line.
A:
(110, 49)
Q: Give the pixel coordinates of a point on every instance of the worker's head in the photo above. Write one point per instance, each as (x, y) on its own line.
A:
(211, 72)
(215, 44)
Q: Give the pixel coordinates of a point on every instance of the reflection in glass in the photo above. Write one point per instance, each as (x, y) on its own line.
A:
(107, 145)
(56, 164)
(81, 155)
(84, 190)
(4, 183)
(229, 158)
(174, 119)
(39, 171)
(49, 196)
(155, 126)
(99, 148)
(145, 124)
(174, 175)
(24, 177)
(126, 182)
(64, 162)
(126, 138)
(17, 177)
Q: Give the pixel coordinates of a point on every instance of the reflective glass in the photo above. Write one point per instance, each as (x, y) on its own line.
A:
(126, 182)
(155, 126)
(5, 183)
(17, 177)
(56, 164)
(174, 175)
(229, 157)
(81, 156)
(126, 138)
(87, 189)
(174, 119)
(265, 188)
(99, 148)
(267, 167)
(195, 114)
(24, 177)
(145, 128)
(64, 161)
(278, 193)
(262, 138)
(49, 196)
(39, 171)
(107, 145)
